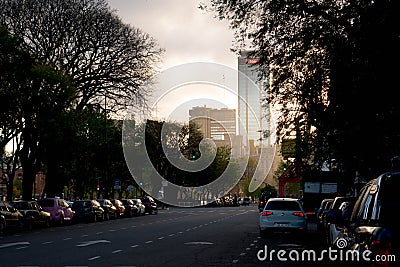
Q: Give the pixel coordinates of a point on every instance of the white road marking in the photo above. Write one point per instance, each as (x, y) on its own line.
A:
(14, 244)
(93, 242)
(94, 258)
(199, 243)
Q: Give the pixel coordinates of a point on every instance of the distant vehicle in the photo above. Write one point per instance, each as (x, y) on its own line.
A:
(150, 204)
(321, 213)
(110, 211)
(120, 207)
(130, 207)
(60, 211)
(88, 210)
(12, 217)
(33, 215)
(282, 215)
(139, 204)
(245, 201)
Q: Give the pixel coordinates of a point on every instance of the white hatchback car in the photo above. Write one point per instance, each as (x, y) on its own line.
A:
(283, 215)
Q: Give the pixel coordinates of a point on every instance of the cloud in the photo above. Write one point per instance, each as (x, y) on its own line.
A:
(186, 32)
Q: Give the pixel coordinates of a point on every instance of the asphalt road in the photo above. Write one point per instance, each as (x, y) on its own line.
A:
(226, 236)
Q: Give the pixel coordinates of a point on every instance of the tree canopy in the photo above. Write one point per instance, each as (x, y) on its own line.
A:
(64, 60)
(331, 72)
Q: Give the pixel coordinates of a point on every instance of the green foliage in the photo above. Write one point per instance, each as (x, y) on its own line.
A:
(330, 64)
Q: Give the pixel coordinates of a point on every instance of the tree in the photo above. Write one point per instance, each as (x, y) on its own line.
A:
(14, 63)
(106, 60)
(326, 59)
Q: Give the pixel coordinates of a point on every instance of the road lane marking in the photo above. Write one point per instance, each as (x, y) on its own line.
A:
(148, 242)
(199, 243)
(67, 238)
(14, 244)
(116, 251)
(93, 242)
(94, 258)
(161, 238)
(134, 246)
(48, 242)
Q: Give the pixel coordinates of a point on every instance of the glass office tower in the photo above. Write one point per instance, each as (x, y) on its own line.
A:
(252, 118)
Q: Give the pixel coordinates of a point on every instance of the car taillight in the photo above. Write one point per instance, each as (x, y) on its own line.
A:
(298, 213)
(310, 212)
(266, 213)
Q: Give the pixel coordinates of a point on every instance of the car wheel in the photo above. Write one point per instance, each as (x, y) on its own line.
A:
(107, 216)
(94, 219)
(29, 226)
(2, 227)
(61, 221)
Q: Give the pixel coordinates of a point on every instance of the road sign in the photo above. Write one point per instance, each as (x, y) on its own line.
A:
(117, 184)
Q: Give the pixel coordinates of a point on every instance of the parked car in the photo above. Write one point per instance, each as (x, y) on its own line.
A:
(120, 207)
(60, 211)
(245, 201)
(150, 204)
(282, 215)
(334, 219)
(110, 211)
(139, 204)
(130, 207)
(33, 215)
(88, 210)
(373, 222)
(321, 213)
(12, 217)
(262, 200)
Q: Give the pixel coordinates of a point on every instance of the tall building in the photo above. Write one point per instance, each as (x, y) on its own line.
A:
(217, 124)
(253, 120)
(214, 123)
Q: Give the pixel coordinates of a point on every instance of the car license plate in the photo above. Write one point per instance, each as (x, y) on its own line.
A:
(281, 224)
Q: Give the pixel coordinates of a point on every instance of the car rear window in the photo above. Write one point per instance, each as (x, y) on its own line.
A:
(46, 203)
(390, 202)
(81, 204)
(282, 205)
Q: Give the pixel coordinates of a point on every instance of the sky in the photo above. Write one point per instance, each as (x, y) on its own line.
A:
(188, 35)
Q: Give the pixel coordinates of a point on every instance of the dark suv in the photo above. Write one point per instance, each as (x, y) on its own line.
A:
(373, 225)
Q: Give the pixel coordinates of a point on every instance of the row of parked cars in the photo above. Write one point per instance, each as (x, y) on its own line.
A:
(365, 224)
(22, 214)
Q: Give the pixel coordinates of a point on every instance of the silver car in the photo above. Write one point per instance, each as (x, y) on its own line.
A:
(283, 215)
